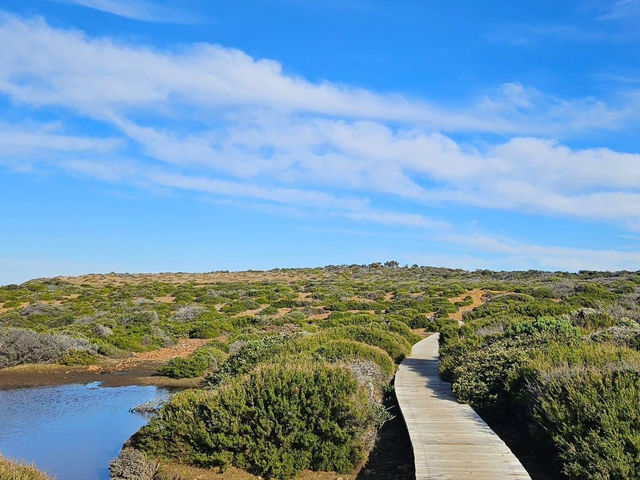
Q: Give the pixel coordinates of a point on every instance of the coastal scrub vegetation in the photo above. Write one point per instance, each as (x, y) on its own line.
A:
(294, 363)
(563, 359)
(10, 470)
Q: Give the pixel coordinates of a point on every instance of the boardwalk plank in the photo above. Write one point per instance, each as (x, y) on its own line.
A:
(450, 440)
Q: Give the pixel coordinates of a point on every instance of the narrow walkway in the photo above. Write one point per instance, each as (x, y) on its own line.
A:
(450, 440)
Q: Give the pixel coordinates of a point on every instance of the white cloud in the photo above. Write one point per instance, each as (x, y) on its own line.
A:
(216, 121)
(519, 255)
(28, 139)
(134, 9)
(99, 77)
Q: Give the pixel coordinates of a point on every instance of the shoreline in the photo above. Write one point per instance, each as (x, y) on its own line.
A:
(48, 375)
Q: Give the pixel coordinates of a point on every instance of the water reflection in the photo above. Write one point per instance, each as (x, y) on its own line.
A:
(71, 431)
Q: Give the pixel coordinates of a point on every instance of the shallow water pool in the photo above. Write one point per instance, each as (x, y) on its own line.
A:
(71, 431)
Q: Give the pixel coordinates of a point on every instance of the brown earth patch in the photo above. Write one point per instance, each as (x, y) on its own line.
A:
(42, 375)
(165, 299)
(184, 348)
(19, 307)
(250, 313)
(282, 312)
(478, 296)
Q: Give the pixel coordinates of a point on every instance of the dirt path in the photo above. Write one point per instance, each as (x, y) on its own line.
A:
(184, 348)
(138, 369)
(478, 296)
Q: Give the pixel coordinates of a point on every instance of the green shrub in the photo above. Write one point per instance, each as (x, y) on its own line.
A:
(540, 325)
(252, 352)
(78, 357)
(392, 343)
(195, 365)
(392, 324)
(273, 422)
(592, 416)
(338, 350)
(483, 377)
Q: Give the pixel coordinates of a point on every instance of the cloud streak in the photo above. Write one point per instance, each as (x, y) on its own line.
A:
(215, 121)
(134, 9)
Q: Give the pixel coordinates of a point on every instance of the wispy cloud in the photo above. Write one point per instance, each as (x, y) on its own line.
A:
(519, 255)
(217, 122)
(621, 10)
(135, 9)
(47, 66)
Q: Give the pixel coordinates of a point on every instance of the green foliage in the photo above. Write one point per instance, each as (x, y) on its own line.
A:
(339, 350)
(592, 417)
(392, 343)
(195, 365)
(522, 352)
(252, 353)
(274, 422)
(541, 325)
(78, 357)
(517, 341)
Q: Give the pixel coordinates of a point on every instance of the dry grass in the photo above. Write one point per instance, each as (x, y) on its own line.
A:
(10, 470)
(175, 471)
(117, 279)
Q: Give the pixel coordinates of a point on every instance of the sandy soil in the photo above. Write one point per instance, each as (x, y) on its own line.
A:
(479, 298)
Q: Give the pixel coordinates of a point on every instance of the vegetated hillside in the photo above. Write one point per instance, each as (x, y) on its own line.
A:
(299, 360)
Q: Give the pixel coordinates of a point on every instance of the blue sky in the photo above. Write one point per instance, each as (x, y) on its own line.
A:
(140, 136)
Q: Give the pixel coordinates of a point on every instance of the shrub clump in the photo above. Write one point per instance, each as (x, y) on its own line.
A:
(244, 356)
(394, 344)
(593, 419)
(195, 365)
(10, 470)
(273, 422)
(19, 346)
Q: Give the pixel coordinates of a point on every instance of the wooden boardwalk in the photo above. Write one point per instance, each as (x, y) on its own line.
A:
(450, 440)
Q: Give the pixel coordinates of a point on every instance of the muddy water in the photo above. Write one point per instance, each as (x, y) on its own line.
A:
(71, 431)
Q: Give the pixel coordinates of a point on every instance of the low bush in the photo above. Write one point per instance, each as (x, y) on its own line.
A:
(78, 357)
(188, 313)
(333, 351)
(249, 354)
(26, 346)
(195, 365)
(273, 422)
(392, 343)
(593, 419)
(10, 470)
(559, 326)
